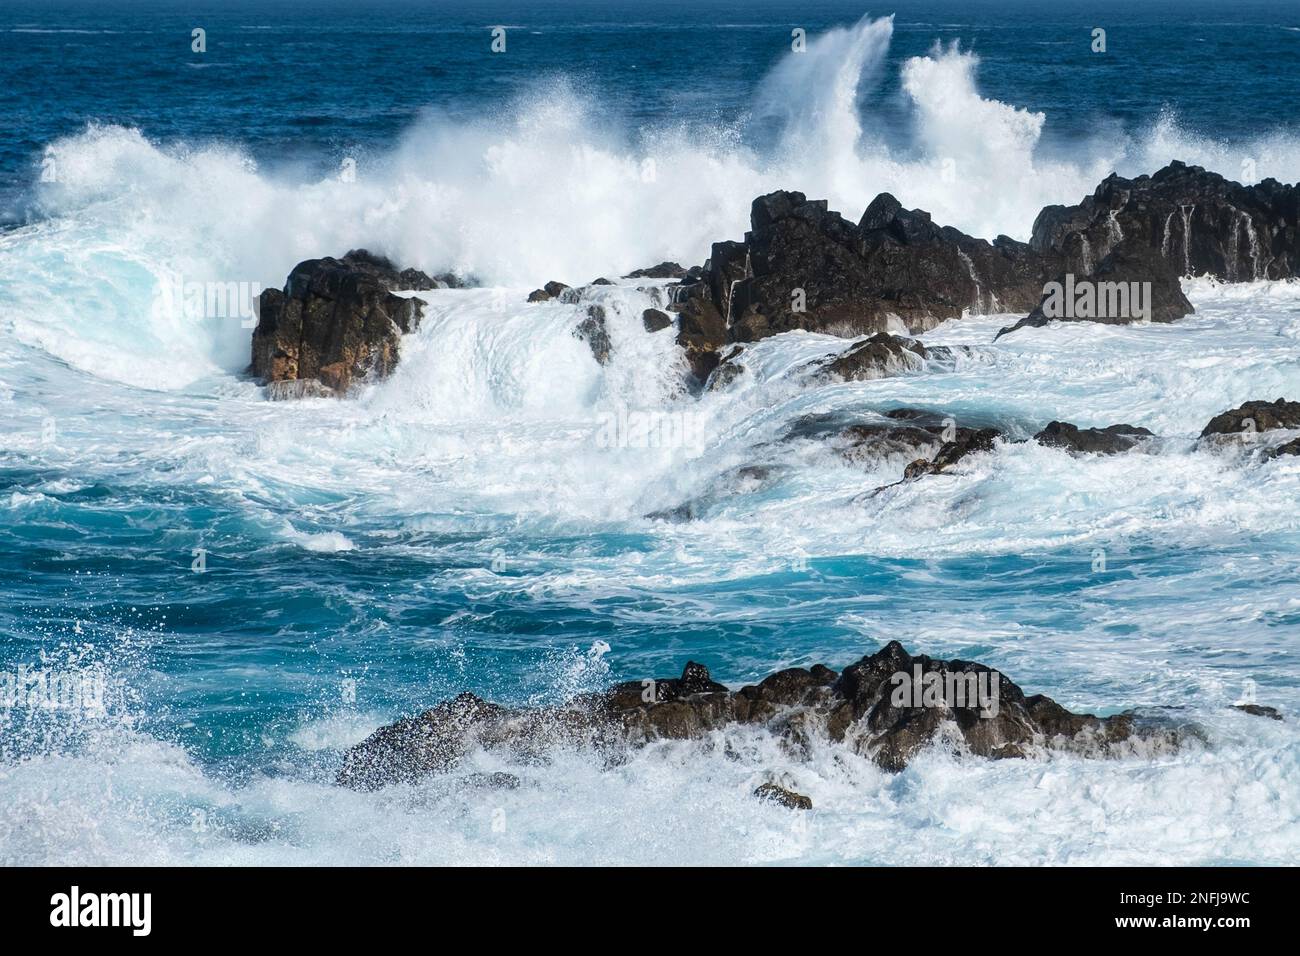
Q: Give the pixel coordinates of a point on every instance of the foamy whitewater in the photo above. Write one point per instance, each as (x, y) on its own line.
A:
(461, 525)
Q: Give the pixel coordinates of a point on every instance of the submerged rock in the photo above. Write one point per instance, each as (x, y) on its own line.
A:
(293, 389)
(771, 793)
(592, 330)
(888, 706)
(1098, 441)
(728, 371)
(879, 356)
(335, 322)
(967, 442)
(1259, 710)
(1291, 447)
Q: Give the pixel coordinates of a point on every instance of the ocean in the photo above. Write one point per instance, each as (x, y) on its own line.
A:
(250, 587)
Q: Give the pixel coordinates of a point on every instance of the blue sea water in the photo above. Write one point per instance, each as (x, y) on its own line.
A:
(260, 585)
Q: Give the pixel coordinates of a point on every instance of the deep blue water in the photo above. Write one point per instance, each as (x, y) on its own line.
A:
(311, 81)
(447, 531)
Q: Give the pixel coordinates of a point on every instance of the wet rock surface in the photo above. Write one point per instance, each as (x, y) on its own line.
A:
(967, 441)
(773, 793)
(1253, 417)
(879, 356)
(664, 270)
(888, 707)
(653, 320)
(1110, 440)
(1198, 222)
(335, 323)
(593, 331)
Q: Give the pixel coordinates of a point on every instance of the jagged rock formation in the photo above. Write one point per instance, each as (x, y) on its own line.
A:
(336, 322)
(802, 266)
(888, 706)
(1197, 221)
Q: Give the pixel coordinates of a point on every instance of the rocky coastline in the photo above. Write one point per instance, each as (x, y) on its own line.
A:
(879, 281)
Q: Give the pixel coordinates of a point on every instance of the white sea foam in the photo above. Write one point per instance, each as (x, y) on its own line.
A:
(489, 431)
(550, 189)
(136, 800)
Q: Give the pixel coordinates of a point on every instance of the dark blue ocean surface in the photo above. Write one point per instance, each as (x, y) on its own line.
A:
(310, 81)
(258, 585)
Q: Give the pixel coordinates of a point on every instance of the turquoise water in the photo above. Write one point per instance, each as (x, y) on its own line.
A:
(260, 585)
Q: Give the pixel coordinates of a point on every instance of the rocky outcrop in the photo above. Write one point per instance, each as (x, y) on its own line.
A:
(889, 706)
(335, 323)
(655, 321)
(1259, 710)
(1254, 417)
(802, 266)
(1110, 440)
(553, 290)
(879, 356)
(701, 333)
(1195, 221)
(665, 270)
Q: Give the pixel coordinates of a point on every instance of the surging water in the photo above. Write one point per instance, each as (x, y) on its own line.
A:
(464, 526)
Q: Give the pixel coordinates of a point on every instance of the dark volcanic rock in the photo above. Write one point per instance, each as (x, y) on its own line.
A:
(701, 332)
(336, 321)
(1100, 441)
(655, 321)
(1287, 448)
(552, 290)
(1196, 221)
(802, 266)
(888, 706)
(805, 267)
(879, 356)
(1123, 279)
(967, 442)
(592, 331)
(1255, 416)
(771, 793)
(665, 270)
(1259, 710)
